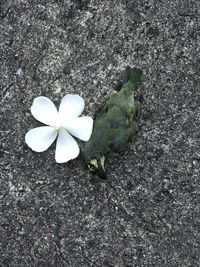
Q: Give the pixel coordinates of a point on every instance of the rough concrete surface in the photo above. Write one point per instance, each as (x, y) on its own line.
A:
(148, 212)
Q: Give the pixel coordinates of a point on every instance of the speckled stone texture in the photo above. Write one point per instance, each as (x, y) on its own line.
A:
(148, 212)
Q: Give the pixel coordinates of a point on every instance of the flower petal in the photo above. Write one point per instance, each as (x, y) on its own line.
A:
(71, 106)
(39, 139)
(66, 147)
(44, 110)
(80, 127)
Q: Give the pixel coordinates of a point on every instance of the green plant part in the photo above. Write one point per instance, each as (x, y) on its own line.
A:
(115, 125)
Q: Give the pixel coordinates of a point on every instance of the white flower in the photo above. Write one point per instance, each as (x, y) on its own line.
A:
(62, 123)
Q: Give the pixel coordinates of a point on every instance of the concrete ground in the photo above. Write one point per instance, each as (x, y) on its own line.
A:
(148, 212)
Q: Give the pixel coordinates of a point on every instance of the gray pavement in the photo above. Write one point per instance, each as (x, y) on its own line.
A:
(148, 212)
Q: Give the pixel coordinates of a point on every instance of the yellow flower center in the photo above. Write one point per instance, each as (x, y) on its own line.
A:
(58, 125)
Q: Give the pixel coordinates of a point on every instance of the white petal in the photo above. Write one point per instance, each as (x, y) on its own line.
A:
(66, 147)
(39, 139)
(44, 110)
(71, 106)
(80, 127)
